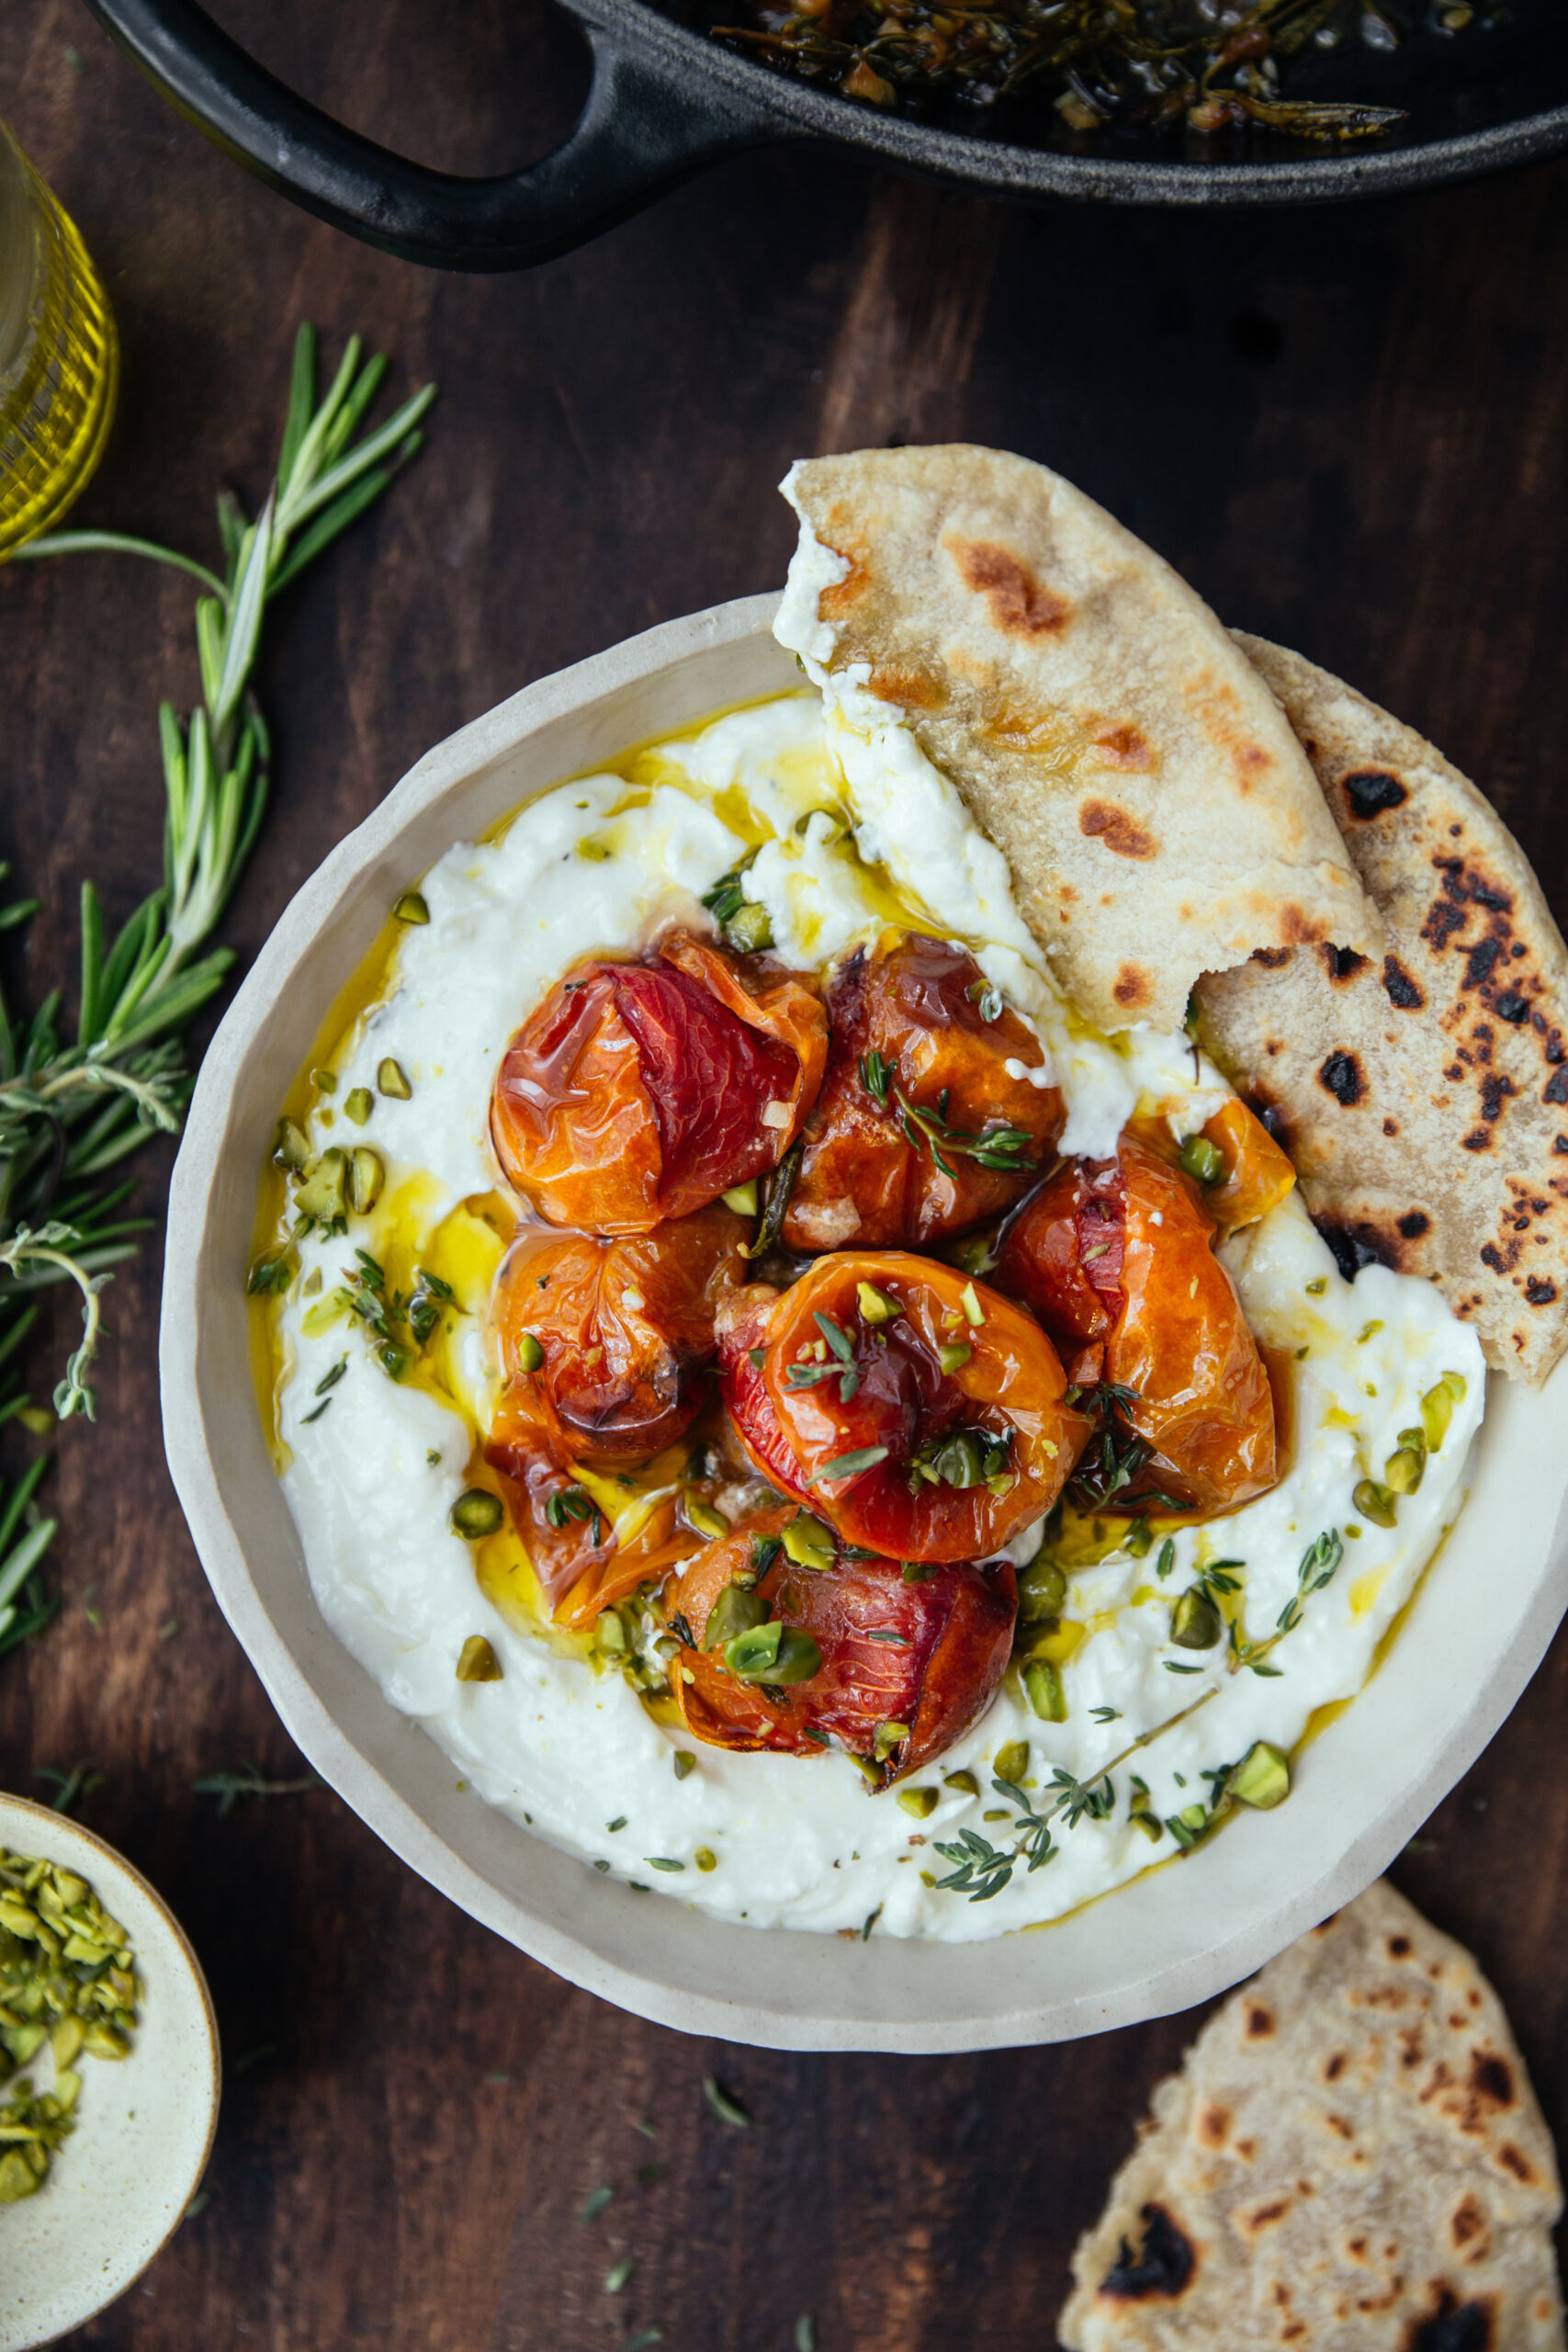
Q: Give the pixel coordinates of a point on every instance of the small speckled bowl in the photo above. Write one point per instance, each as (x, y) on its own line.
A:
(117, 2188)
(1484, 1614)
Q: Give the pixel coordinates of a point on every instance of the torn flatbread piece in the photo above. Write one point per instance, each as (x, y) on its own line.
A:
(1351, 2160)
(1423, 1094)
(1101, 726)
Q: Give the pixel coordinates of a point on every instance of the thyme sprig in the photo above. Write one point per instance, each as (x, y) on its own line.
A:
(981, 1870)
(1004, 1148)
(72, 1110)
(1318, 1564)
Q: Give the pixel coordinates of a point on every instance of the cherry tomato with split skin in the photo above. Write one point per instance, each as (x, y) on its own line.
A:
(605, 1344)
(637, 1092)
(917, 1085)
(1243, 1173)
(922, 1415)
(905, 1668)
(1170, 1329)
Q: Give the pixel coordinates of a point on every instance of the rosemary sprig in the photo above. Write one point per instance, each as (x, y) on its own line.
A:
(73, 1108)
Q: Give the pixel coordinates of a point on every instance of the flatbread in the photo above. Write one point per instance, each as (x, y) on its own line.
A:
(1101, 726)
(1351, 2160)
(1423, 1095)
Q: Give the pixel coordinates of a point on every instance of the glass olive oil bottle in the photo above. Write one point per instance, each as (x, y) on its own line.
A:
(59, 356)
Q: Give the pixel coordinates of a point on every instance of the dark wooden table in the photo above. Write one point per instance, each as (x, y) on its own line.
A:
(1348, 428)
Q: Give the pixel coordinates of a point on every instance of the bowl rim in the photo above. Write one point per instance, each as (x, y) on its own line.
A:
(99, 1851)
(195, 1450)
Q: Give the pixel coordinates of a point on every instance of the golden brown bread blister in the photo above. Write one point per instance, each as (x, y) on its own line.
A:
(1101, 726)
(1351, 2160)
(1422, 1094)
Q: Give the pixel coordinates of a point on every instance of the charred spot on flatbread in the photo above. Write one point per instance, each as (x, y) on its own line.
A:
(1372, 2174)
(1020, 605)
(1428, 1086)
(1153, 805)
(1372, 792)
(1102, 821)
(1454, 2326)
(1162, 2266)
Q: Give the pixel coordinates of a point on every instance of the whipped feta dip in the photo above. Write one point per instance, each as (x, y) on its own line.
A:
(852, 830)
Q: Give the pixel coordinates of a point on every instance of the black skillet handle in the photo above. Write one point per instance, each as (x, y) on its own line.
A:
(638, 133)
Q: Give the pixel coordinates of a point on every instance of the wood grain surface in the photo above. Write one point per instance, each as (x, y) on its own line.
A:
(1348, 428)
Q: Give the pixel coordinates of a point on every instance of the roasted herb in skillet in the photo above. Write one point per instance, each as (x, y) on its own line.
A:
(1099, 63)
(73, 1109)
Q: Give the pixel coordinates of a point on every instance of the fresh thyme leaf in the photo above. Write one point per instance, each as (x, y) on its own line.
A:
(876, 1077)
(848, 1466)
(728, 2108)
(79, 1781)
(1317, 1567)
(250, 1781)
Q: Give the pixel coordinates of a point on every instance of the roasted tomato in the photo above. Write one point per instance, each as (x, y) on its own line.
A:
(922, 1415)
(638, 1092)
(1242, 1171)
(903, 1668)
(1166, 1325)
(918, 1130)
(605, 1345)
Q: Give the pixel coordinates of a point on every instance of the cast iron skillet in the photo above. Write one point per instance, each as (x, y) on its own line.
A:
(665, 100)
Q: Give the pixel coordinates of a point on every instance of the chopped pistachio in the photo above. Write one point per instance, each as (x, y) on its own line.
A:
(367, 1176)
(876, 1305)
(1042, 1589)
(358, 1104)
(1404, 1470)
(772, 1653)
(1195, 1622)
(325, 1193)
(965, 1783)
(921, 1802)
(748, 930)
(703, 1517)
(411, 907)
(291, 1148)
(974, 1312)
(954, 1356)
(705, 1858)
(1374, 1502)
(390, 1081)
(685, 1762)
(1043, 1689)
(325, 1081)
(530, 1353)
(737, 1611)
(1262, 1778)
(67, 1978)
(1012, 1762)
(1437, 1408)
(887, 1738)
(809, 1542)
(1201, 1159)
(477, 1513)
(477, 1662)
(742, 1198)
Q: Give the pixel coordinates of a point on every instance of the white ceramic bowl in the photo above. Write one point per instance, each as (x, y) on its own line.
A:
(1482, 1620)
(117, 2188)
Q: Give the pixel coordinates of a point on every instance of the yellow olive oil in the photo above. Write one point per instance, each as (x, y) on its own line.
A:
(59, 356)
